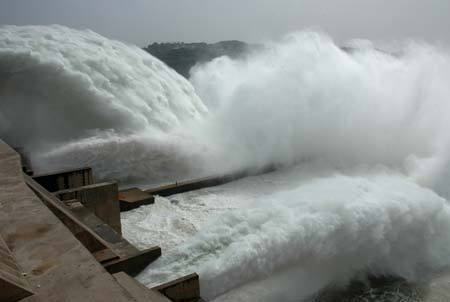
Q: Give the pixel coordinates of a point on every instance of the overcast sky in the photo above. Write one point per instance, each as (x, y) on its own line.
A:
(144, 21)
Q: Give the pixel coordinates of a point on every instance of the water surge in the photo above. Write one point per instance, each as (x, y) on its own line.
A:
(376, 123)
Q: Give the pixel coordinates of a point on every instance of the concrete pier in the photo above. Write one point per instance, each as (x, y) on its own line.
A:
(100, 198)
(205, 182)
(133, 197)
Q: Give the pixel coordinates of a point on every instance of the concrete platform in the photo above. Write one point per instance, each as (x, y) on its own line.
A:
(133, 198)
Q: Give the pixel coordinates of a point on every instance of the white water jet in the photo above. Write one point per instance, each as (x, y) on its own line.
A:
(305, 98)
(75, 98)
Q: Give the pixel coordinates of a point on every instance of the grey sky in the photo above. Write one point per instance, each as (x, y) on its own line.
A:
(144, 21)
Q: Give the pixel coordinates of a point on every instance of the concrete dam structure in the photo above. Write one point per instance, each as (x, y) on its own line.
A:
(60, 240)
(67, 245)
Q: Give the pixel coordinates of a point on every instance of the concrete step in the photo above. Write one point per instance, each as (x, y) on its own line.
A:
(184, 289)
(137, 290)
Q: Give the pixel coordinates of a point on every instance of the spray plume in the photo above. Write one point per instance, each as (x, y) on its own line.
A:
(80, 99)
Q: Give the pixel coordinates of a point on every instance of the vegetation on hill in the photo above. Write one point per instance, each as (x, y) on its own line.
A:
(183, 56)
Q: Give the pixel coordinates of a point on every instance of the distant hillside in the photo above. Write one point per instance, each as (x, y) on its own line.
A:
(182, 56)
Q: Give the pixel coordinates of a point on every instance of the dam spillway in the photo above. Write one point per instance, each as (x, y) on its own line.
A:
(48, 253)
(367, 131)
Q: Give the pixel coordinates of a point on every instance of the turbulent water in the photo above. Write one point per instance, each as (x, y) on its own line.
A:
(360, 137)
(320, 229)
(304, 98)
(75, 97)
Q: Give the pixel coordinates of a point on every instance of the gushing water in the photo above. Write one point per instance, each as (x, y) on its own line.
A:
(75, 98)
(289, 245)
(305, 98)
(375, 125)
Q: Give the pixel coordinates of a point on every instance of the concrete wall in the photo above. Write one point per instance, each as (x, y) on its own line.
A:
(100, 198)
(68, 179)
(57, 266)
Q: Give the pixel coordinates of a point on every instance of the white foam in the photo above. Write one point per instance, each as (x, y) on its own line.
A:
(304, 98)
(72, 95)
(290, 244)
